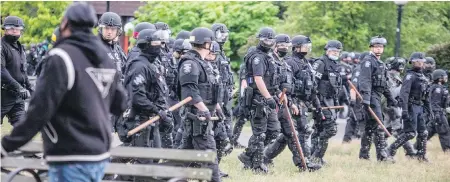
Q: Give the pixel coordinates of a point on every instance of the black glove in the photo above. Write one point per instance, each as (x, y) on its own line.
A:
(271, 103)
(163, 115)
(366, 106)
(392, 103)
(220, 114)
(206, 114)
(352, 103)
(405, 116)
(23, 93)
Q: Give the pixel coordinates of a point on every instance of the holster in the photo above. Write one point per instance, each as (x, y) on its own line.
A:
(248, 97)
(199, 128)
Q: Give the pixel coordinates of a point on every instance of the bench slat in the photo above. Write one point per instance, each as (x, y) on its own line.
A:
(142, 152)
(147, 170)
(18, 178)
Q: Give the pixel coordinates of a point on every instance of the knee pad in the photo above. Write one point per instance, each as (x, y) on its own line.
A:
(410, 135)
(423, 134)
(261, 137)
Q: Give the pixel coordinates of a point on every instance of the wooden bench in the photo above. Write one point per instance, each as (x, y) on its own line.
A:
(160, 172)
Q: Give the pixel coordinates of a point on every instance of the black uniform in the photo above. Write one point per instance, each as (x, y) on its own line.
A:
(196, 80)
(439, 101)
(304, 96)
(171, 74)
(226, 75)
(147, 89)
(356, 116)
(286, 136)
(373, 84)
(14, 80)
(259, 63)
(329, 84)
(241, 112)
(414, 99)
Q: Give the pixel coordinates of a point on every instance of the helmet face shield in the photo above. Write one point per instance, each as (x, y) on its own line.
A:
(306, 47)
(9, 27)
(221, 36)
(267, 42)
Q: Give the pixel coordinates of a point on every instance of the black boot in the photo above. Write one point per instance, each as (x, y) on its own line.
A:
(422, 147)
(366, 142)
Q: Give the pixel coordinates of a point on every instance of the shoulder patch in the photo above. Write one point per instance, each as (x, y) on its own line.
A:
(256, 61)
(315, 65)
(357, 74)
(139, 79)
(438, 90)
(187, 68)
(408, 77)
(367, 64)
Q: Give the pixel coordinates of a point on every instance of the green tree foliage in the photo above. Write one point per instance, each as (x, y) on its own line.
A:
(353, 23)
(441, 53)
(40, 17)
(243, 19)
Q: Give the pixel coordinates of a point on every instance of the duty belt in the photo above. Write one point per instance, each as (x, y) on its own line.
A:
(416, 102)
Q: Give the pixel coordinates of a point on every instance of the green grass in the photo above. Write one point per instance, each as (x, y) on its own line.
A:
(343, 165)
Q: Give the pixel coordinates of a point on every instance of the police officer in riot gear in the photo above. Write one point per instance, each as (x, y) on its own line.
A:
(286, 82)
(147, 89)
(429, 67)
(196, 80)
(110, 28)
(354, 128)
(304, 93)
(329, 84)
(180, 47)
(169, 71)
(373, 84)
(414, 99)
(393, 114)
(241, 113)
(15, 85)
(260, 94)
(223, 62)
(138, 28)
(223, 144)
(439, 102)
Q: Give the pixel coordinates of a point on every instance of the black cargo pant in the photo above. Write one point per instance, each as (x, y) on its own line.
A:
(286, 138)
(325, 128)
(441, 127)
(200, 140)
(412, 125)
(12, 107)
(240, 116)
(356, 116)
(258, 119)
(373, 131)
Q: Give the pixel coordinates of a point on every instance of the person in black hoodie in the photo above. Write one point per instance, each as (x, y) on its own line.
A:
(75, 94)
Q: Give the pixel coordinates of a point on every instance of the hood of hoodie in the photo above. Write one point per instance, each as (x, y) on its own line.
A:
(89, 44)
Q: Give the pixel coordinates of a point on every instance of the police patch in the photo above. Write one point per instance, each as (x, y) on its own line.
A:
(438, 90)
(139, 80)
(367, 64)
(408, 77)
(357, 74)
(187, 68)
(315, 66)
(256, 61)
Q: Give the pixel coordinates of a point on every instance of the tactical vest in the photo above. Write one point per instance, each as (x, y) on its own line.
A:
(304, 83)
(379, 77)
(286, 77)
(419, 88)
(270, 77)
(208, 84)
(225, 69)
(170, 71)
(331, 80)
(438, 97)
